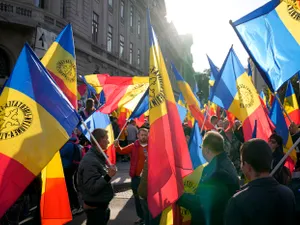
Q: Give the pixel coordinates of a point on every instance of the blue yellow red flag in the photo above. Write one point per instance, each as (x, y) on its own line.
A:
(282, 130)
(271, 36)
(290, 105)
(165, 178)
(192, 102)
(36, 120)
(60, 61)
(235, 92)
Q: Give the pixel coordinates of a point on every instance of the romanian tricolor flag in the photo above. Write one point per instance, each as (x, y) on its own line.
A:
(263, 97)
(271, 37)
(55, 206)
(235, 92)
(192, 102)
(281, 129)
(191, 181)
(188, 118)
(166, 138)
(100, 120)
(36, 120)
(60, 61)
(117, 90)
(291, 105)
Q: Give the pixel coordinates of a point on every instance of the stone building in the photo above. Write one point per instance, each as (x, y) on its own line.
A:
(111, 36)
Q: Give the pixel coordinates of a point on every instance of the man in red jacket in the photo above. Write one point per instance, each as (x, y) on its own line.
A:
(137, 162)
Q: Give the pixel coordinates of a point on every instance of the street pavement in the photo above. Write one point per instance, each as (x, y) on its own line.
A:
(122, 206)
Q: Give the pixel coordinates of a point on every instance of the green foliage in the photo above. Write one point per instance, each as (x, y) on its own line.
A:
(202, 80)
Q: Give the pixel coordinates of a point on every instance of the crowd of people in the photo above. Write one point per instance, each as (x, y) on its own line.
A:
(235, 186)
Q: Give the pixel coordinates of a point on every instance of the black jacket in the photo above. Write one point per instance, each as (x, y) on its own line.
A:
(93, 180)
(262, 202)
(219, 182)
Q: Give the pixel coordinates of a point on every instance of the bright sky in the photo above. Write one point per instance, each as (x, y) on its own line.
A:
(208, 22)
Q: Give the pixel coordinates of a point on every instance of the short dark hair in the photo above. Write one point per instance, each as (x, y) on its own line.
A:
(213, 118)
(98, 134)
(258, 154)
(89, 100)
(187, 131)
(214, 141)
(143, 129)
(277, 138)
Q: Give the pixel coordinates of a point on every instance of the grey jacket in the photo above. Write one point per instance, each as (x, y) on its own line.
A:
(93, 181)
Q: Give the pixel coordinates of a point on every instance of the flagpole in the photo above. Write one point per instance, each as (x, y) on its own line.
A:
(96, 142)
(282, 108)
(285, 157)
(122, 129)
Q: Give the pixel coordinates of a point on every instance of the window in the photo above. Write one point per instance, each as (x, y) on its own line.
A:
(109, 38)
(131, 16)
(139, 57)
(110, 5)
(122, 9)
(95, 24)
(130, 53)
(122, 41)
(39, 3)
(64, 9)
(139, 25)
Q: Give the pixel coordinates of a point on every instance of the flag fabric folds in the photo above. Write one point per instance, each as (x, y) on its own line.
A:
(117, 90)
(235, 92)
(271, 36)
(36, 120)
(191, 101)
(291, 105)
(55, 207)
(191, 181)
(166, 138)
(282, 130)
(61, 63)
(101, 120)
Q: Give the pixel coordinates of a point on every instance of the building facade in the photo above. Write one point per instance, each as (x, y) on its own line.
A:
(111, 36)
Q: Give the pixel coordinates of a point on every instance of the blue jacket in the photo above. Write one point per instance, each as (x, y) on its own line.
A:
(68, 153)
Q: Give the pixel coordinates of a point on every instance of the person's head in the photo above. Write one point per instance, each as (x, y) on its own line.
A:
(225, 123)
(256, 159)
(220, 123)
(101, 137)
(143, 135)
(212, 145)
(214, 120)
(187, 133)
(132, 122)
(275, 141)
(89, 104)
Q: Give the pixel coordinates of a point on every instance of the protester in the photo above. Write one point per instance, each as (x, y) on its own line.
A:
(214, 121)
(115, 126)
(263, 201)
(132, 132)
(142, 192)
(94, 181)
(231, 145)
(282, 175)
(89, 109)
(70, 156)
(137, 162)
(218, 183)
(187, 134)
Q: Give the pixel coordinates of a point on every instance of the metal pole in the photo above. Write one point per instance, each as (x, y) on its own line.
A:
(97, 144)
(285, 157)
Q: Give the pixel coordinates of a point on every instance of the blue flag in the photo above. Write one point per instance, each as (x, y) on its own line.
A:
(195, 147)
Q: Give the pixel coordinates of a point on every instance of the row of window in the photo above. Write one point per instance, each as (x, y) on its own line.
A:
(131, 16)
